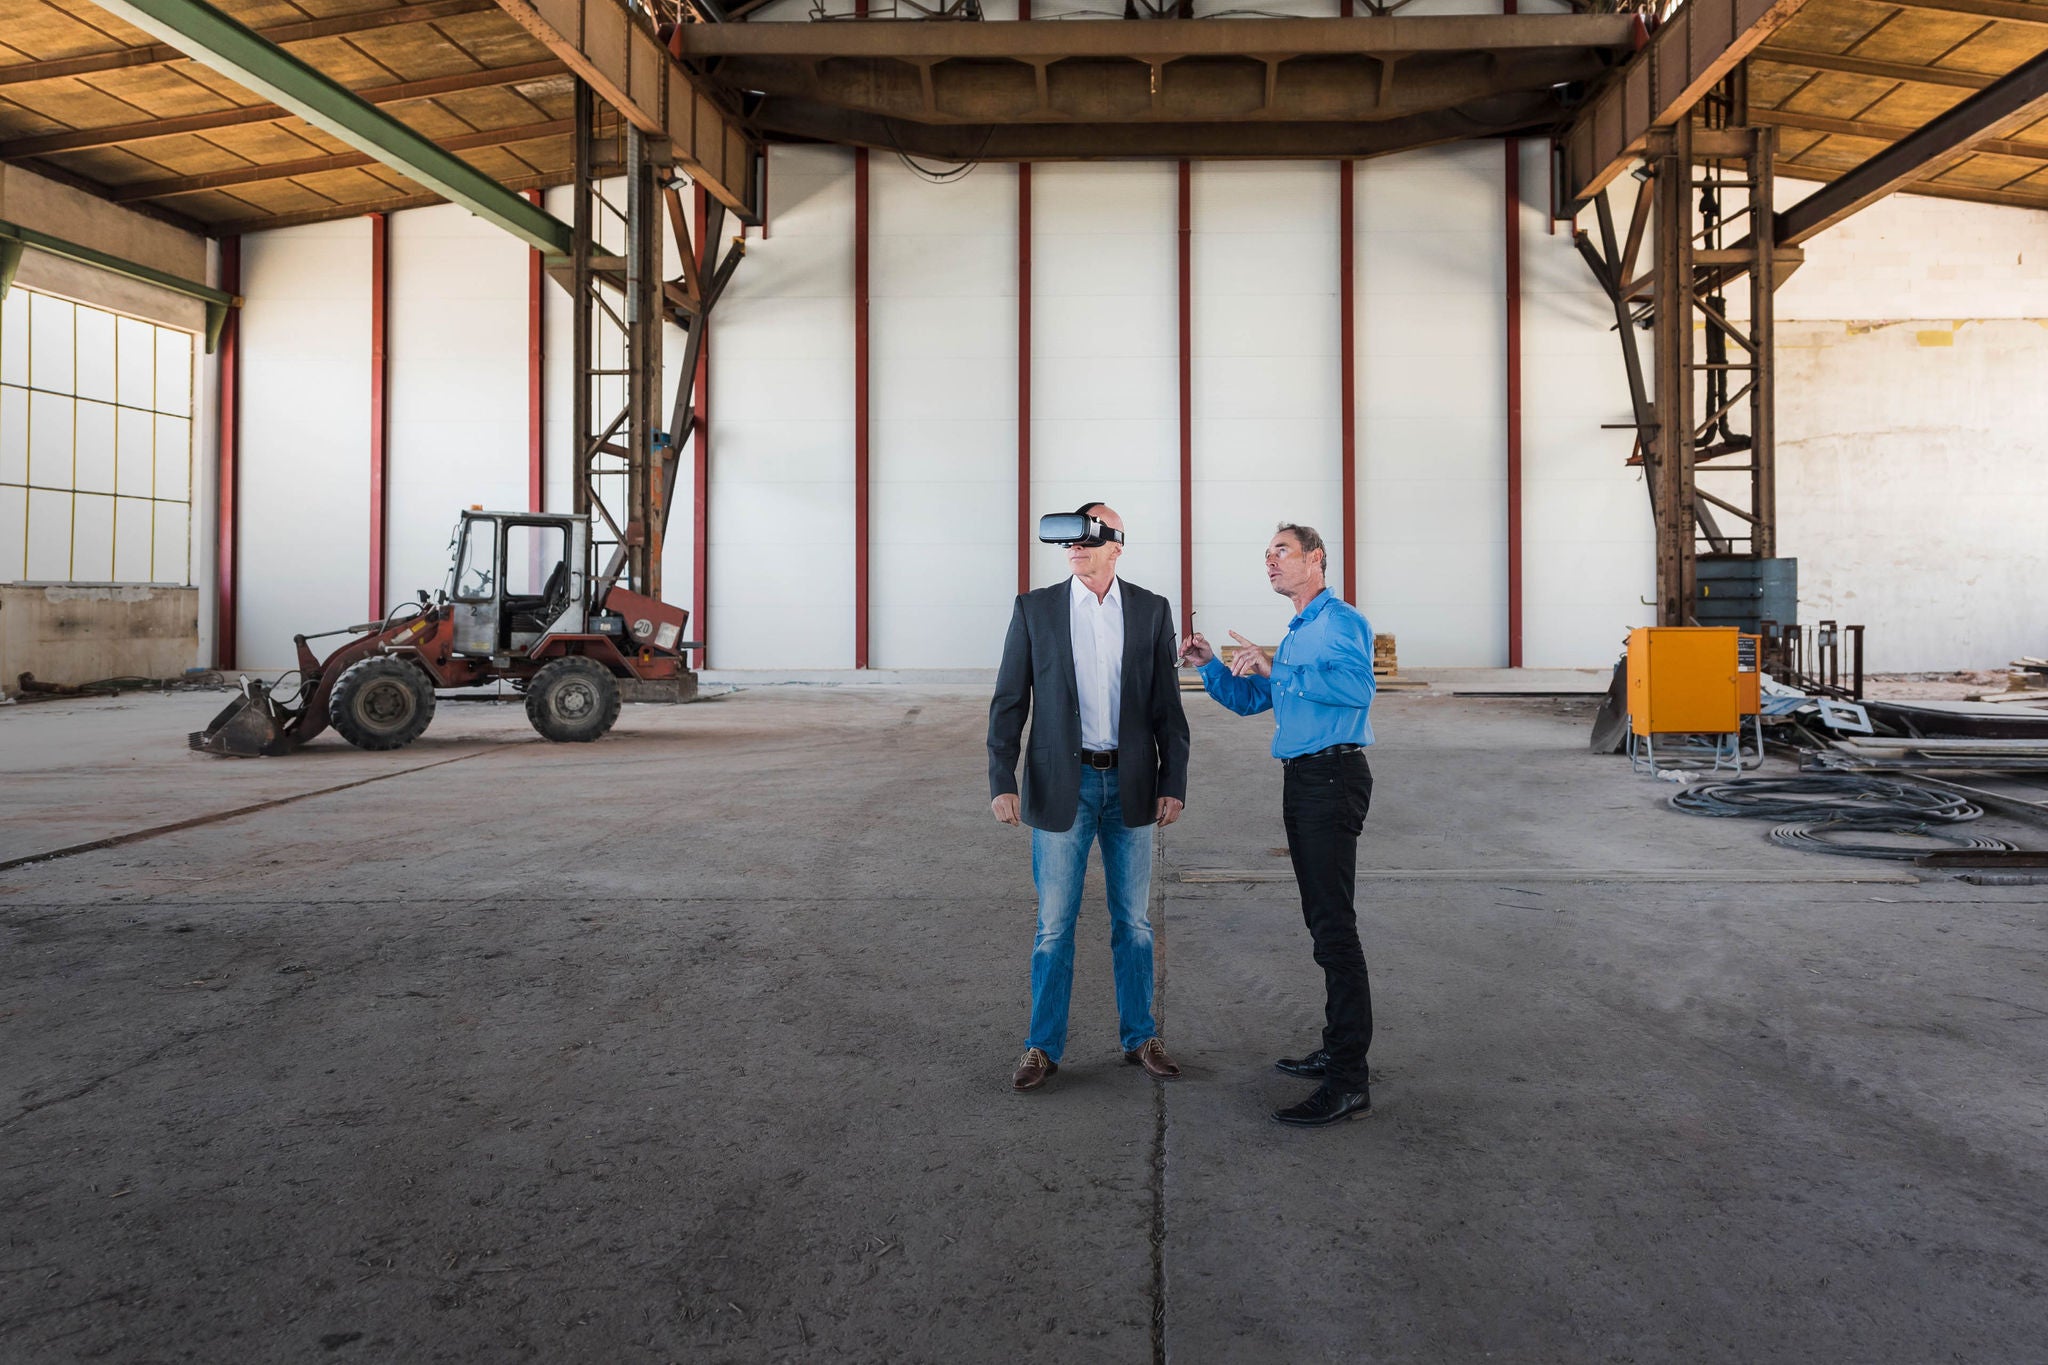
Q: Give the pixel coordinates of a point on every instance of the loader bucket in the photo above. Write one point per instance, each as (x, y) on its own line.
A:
(251, 726)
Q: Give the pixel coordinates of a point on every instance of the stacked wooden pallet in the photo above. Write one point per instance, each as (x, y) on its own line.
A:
(2027, 682)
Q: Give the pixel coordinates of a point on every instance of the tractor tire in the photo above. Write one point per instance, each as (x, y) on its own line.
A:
(381, 703)
(572, 700)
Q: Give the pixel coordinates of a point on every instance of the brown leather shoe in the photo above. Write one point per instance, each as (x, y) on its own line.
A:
(1032, 1071)
(1151, 1054)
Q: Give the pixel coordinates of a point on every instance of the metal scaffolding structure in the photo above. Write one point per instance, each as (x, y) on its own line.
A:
(628, 461)
(1703, 412)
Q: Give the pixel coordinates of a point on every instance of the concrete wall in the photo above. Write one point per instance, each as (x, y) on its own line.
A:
(33, 202)
(1911, 413)
(1430, 351)
(75, 634)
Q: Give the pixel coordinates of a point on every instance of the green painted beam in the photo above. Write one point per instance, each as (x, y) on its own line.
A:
(217, 41)
(14, 238)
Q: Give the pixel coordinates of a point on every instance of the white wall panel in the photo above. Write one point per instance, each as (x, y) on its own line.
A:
(942, 327)
(456, 386)
(1895, 437)
(781, 590)
(303, 509)
(1432, 442)
(558, 336)
(1588, 546)
(1105, 369)
(1267, 436)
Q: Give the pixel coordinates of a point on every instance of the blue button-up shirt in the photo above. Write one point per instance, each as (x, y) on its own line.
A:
(1322, 684)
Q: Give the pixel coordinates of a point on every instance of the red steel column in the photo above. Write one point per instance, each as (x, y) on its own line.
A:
(1187, 405)
(536, 377)
(380, 411)
(1024, 537)
(1514, 395)
(700, 444)
(860, 407)
(1347, 362)
(227, 458)
(1513, 195)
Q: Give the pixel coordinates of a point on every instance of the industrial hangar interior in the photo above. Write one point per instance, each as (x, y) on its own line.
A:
(511, 512)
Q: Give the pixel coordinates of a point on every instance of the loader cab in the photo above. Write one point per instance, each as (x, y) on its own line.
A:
(515, 577)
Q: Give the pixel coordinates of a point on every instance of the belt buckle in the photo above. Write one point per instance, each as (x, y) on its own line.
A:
(1098, 760)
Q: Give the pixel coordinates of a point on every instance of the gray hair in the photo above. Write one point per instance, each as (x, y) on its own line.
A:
(1310, 541)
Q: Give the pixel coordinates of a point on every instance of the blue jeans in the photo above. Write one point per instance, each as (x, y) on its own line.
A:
(1059, 863)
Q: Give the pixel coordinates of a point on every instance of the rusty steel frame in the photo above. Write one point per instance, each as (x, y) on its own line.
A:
(1706, 213)
(627, 461)
(615, 48)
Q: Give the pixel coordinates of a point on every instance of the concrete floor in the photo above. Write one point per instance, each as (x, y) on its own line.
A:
(694, 1045)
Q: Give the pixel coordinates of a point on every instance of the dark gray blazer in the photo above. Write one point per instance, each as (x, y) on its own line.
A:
(1037, 679)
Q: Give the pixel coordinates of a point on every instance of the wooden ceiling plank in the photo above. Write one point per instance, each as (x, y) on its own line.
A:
(1890, 133)
(287, 170)
(2030, 198)
(2014, 101)
(395, 94)
(145, 53)
(48, 33)
(1825, 28)
(160, 92)
(415, 54)
(415, 200)
(2007, 11)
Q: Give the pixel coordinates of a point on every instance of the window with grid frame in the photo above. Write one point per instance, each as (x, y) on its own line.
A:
(95, 445)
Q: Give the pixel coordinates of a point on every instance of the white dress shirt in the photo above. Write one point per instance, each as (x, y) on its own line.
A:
(1098, 635)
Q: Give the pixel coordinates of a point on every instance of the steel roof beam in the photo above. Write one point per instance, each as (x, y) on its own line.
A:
(2002, 107)
(2005, 10)
(545, 180)
(1319, 89)
(1160, 40)
(1265, 141)
(159, 54)
(218, 41)
(1885, 132)
(114, 135)
(1868, 66)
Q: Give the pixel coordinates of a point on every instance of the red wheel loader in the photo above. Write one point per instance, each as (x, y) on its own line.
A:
(520, 604)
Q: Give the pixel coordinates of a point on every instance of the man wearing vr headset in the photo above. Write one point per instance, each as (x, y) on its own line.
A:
(1091, 662)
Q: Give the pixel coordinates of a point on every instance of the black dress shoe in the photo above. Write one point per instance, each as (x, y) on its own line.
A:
(1327, 1105)
(1312, 1066)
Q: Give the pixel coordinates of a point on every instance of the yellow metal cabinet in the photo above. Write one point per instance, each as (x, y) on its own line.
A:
(1686, 680)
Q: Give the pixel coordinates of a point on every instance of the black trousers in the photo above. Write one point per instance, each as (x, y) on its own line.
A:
(1324, 802)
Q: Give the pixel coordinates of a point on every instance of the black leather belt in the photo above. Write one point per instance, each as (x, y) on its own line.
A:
(1091, 758)
(1330, 752)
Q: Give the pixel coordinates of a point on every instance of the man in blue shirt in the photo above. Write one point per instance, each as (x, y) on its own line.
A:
(1319, 685)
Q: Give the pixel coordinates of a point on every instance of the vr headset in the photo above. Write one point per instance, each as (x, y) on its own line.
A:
(1077, 528)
